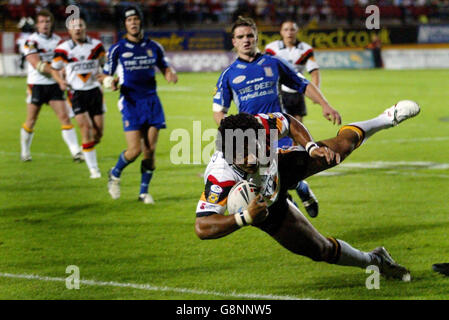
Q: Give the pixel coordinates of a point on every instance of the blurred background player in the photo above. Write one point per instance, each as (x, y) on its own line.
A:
(252, 83)
(39, 50)
(136, 58)
(300, 55)
(26, 26)
(82, 57)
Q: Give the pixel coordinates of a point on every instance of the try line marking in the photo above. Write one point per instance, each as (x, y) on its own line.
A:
(149, 287)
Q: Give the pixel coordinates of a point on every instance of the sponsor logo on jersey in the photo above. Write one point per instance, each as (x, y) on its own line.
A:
(127, 54)
(214, 194)
(268, 71)
(239, 79)
(213, 197)
(217, 189)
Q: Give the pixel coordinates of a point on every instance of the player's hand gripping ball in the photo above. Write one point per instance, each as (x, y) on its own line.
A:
(241, 194)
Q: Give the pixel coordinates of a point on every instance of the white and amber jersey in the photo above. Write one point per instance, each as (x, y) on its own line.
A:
(45, 47)
(220, 176)
(301, 56)
(82, 63)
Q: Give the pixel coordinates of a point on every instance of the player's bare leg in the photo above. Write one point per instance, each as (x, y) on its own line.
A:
(353, 135)
(88, 143)
(68, 130)
(133, 150)
(148, 164)
(299, 236)
(27, 131)
(98, 127)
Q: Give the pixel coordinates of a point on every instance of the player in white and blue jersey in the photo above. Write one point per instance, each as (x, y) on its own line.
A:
(254, 82)
(134, 59)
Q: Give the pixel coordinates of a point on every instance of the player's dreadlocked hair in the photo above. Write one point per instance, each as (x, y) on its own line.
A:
(243, 123)
(243, 22)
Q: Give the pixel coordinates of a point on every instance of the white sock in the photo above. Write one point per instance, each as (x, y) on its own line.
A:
(70, 138)
(25, 141)
(372, 126)
(350, 256)
(91, 158)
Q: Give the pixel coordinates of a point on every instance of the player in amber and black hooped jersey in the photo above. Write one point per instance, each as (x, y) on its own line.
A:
(82, 58)
(135, 58)
(39, 50)
(271, 211)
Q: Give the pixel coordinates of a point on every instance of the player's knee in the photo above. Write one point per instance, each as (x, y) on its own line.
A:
(133, 153)
(147, 165)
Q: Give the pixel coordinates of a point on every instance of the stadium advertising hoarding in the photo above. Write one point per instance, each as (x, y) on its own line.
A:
(415, 58)
(344, 37)
(173, 40)
(354, 59)
(433, 34)
(200, 61)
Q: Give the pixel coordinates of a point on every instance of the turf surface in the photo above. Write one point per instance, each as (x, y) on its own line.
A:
(393, 192)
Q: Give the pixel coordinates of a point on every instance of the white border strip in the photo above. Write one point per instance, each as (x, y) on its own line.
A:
(149, 287)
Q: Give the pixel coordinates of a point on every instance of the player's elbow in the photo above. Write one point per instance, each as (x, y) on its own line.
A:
(201, 230)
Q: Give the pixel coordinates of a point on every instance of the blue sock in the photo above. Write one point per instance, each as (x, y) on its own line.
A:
(120, 165)
(145, 182)
(302, 189)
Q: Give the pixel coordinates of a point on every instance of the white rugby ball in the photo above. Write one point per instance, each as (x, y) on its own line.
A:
(108, 81)
(241, 194)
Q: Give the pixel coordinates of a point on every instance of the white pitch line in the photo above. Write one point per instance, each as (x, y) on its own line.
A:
(40, 154)
(422, 139)
(149, 287)
(394, 165)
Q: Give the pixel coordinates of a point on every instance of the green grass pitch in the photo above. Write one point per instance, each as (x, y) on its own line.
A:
(393, 192)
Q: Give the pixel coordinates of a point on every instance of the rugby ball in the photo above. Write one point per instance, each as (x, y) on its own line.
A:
(108, 82)
(241, 194)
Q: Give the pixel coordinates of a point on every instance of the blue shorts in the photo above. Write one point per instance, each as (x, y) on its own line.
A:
(142, 113)
(285, 142)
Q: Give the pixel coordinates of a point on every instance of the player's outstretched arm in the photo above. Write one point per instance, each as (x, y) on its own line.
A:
(316, 78)
(316, 96)
(298, 132)
(216, 225)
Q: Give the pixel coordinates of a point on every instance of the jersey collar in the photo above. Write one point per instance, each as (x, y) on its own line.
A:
(257, 57)
(283, 46)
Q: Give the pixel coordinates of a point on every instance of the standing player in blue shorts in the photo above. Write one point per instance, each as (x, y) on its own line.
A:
(134, 59)
(253, 82)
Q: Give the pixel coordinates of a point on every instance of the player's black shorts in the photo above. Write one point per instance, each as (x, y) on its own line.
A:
(293, 167)
(294, 103)
(44, 93)
(88, 100)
